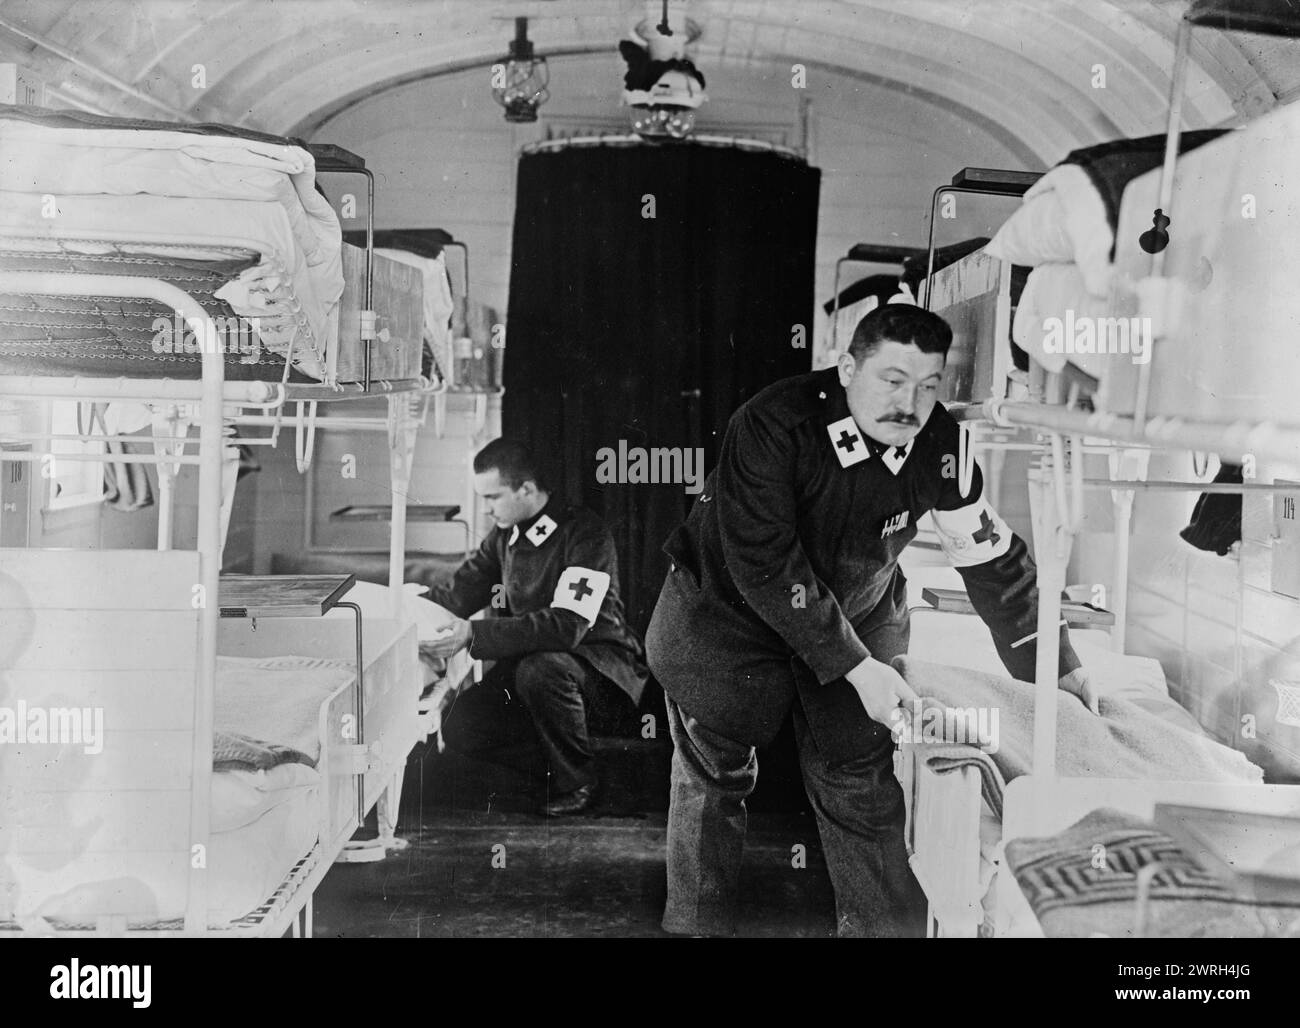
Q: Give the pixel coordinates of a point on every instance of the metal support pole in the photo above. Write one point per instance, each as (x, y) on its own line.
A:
(361, 710)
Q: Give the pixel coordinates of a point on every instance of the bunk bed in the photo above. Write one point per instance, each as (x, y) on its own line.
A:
(1206, 292)
(248, 723)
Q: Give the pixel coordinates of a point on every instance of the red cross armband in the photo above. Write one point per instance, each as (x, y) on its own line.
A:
(582, 591)
(973, 534)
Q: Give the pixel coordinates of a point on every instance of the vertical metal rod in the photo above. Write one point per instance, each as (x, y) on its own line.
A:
(1048, 529)
(929, 244)
(370, 263)
(1167, 171)
(361, 712)
(1123, 508)
(166, 495)
(399, 471)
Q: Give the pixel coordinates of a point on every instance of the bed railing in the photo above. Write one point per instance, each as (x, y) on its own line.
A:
(210, 393)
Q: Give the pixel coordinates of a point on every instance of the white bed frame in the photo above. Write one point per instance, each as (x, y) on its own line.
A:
(943, 810)
(137, 633)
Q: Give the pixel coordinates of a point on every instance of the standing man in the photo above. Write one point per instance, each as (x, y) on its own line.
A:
(567, 659)
(785, 595)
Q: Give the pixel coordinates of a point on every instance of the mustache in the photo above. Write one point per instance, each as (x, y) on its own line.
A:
(900, 419)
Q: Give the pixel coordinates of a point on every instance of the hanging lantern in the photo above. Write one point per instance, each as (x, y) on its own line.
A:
(519, 82)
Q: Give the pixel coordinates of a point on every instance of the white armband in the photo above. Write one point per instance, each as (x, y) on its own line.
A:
(582, 591)
(972, 534)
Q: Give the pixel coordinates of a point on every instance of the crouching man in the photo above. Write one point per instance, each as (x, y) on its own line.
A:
(567, 662)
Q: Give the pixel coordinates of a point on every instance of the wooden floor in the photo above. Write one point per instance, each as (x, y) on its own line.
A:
(481, 864)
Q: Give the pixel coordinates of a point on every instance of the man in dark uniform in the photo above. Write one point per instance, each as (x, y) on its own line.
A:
(785, 595)
(548, 574)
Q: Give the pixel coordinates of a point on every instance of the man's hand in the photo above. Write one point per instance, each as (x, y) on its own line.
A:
(448, 639)
(1078, 683)
(882, 691)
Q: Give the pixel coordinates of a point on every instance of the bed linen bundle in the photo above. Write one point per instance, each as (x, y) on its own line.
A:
(1125, 741)
(1065, 230)
(74, 183)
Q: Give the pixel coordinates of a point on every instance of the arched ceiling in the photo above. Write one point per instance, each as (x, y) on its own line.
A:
(1026, 68)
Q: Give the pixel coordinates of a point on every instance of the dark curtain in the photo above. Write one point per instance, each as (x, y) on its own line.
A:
(651, 330)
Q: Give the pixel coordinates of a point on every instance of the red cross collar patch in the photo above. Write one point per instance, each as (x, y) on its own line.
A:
(847, 442)
(542, 530)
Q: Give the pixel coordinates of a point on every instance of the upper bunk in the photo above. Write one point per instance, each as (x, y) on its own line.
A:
(233, 218)
(1112, 320)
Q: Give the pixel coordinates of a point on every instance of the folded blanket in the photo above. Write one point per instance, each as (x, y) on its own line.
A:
(1112, 166)
(1124, 742)
(1071, 214)
(1083, 882)
(234, 752)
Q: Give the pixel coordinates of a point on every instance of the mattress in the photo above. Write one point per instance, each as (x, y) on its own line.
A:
(964, 641)
(110, 336)
(1234, 240)
(132, 187)
(445, 675)
(1071, 214)
(262, 822)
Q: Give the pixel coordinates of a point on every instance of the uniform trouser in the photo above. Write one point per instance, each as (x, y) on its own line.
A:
(545, 698)
(859, 809)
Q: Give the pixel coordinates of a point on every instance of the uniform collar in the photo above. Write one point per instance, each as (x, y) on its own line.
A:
(848, 442)
(538, 530)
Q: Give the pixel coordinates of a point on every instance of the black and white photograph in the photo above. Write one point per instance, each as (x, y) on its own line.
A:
(650, 469)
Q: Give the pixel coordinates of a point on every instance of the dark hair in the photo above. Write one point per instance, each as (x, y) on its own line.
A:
(512, 461)
(900, 323)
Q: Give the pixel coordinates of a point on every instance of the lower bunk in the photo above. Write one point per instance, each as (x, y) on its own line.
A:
(106, 824)
(966, 798)
(969, 799)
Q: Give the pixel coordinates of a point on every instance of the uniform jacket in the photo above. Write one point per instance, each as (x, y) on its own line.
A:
(549, 584)
(790, 556)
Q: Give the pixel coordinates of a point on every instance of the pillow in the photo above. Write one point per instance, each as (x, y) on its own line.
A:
(1035, 234)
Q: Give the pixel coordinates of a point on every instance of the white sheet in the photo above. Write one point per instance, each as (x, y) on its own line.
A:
(1073, 229)
(277, 699)
(41, 159)
(262, 824)
(1234, 311)
(375, 602)
(150, 188)
(1052, 291)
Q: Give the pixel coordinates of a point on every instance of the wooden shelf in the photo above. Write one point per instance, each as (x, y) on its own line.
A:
(281, 596)
(1077, 615)
(384, 512)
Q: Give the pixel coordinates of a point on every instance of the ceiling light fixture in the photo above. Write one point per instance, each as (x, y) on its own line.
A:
(519, 82)
(663, 88)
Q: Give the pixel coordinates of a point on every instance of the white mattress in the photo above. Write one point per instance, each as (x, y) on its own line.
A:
(375, 602)
(277, 699)
(263, 823)
(150, 188)
(963, 640)
(1062, 219)
(1234, 311)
